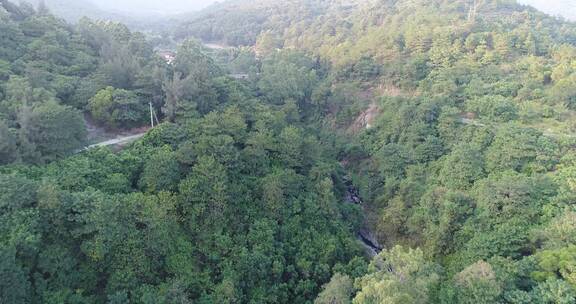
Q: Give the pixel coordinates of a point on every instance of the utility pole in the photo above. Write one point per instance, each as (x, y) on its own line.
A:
(151, 115)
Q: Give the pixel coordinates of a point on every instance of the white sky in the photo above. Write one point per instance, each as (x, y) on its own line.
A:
(566, 8)
(153, 6)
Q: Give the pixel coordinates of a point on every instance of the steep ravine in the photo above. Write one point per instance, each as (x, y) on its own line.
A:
(364, 235)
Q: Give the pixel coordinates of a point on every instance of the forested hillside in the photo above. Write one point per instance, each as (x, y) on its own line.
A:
(564, 8)
(453, 118)
(51, 72)
(234, 199)
(470, 158)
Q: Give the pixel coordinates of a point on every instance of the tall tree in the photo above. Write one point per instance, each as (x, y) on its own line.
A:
(174, 90)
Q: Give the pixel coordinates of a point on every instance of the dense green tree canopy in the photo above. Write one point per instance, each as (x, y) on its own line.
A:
(441, 131)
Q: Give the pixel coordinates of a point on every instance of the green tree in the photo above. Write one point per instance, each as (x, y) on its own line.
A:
(493, 107)
(392, 160)
(173, 89)
(438, 217)
(205, 193)
(560, 231)
(161, 172)
(338, 291)
(290, 147)
(554, 292)
(559, 263)
(517, 148)
(282, 80)
(399, 276)
(14, 285)
(193, 63)
(462, 167)
(118, 108)
(477, 284)
(267, 43)
(8, 148)
(54, 130)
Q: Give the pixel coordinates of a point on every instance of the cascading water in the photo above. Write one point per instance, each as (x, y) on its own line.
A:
(365, 236)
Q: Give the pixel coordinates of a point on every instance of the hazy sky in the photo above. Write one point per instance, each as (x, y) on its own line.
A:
(566, 8)
(153, 6)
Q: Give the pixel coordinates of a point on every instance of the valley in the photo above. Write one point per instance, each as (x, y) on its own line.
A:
(267, 151)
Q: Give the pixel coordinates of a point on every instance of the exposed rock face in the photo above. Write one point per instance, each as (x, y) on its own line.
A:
(366, 118)
(365, 236)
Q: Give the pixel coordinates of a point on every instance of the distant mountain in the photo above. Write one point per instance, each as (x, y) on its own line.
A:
(73, 10)
(564, 8)
(153, 7)
(242, 22)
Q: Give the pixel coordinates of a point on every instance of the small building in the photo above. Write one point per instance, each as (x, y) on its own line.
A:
(167, 55)
(239, 76)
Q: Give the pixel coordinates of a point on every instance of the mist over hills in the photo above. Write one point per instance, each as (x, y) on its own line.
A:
(72, 10)
(154, 7)
(564, 8)
(129, 10)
